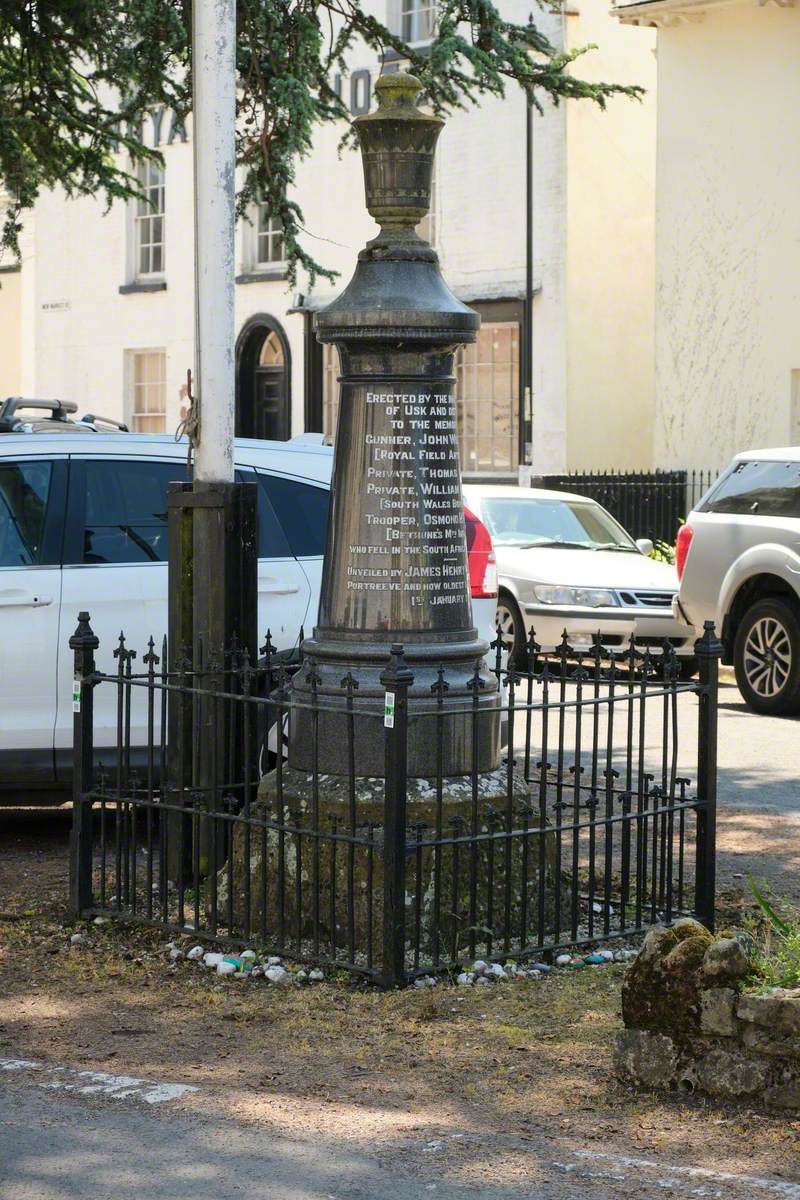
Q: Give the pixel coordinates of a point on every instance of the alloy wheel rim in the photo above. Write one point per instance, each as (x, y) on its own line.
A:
(505, 626)
(767, 657)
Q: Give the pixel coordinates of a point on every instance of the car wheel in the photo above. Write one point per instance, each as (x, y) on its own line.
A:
(766, 657)
(688, 667)
(511, 628)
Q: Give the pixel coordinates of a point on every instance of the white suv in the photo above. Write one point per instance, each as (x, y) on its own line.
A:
(83, 525)
(738, 559)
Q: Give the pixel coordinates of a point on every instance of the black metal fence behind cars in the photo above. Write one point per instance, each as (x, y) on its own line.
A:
(599, 822)
(648, 504)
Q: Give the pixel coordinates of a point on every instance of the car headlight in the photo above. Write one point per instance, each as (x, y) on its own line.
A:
(554, 593)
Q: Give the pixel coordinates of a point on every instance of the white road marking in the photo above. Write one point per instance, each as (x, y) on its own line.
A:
(776, 1187)
(97, 1083)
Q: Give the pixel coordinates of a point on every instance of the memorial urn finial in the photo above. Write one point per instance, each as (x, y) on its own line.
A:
(398, 143)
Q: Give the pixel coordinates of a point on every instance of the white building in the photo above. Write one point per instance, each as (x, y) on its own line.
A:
(106, 311)
(727, 226)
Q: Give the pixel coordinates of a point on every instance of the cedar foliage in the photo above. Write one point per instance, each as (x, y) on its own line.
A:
(77, 77)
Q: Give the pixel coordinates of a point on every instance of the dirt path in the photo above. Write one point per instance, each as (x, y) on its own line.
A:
(444, 1081)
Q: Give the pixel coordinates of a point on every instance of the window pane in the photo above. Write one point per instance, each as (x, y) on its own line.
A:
(24, 488)
(302, 511)
(126, 510)
(272, 541)
(487, 399)
(770, 489)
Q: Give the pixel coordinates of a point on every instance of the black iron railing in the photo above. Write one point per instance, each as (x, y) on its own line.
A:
(649, 504)
(599, 821)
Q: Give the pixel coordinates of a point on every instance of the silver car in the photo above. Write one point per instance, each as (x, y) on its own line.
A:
(564, 563)
(738, 557)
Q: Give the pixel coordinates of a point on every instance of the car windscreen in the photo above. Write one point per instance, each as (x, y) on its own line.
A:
(527, 522)
(765, 489)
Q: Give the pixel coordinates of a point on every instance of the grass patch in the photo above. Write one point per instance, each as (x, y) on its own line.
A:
(776, 962)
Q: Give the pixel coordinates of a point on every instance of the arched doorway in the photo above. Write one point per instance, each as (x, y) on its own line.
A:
(263, 381)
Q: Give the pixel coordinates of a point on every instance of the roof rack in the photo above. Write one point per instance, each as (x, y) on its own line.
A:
(96, 419)
(59, 410)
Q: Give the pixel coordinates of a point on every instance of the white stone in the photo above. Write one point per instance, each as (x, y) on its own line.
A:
(195, 952)
(498, 970)
(563, 960)
(175, 954)
(248, 955)
(225, 968)
(277, 974)
(479, 966)
(100, 921)
(77, 939)
(316, 976)
(465, 979)
(608, 955)
(274, 961)
(212, 959)
(482, 980)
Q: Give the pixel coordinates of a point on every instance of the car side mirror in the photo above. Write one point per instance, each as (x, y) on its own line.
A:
(645, 545)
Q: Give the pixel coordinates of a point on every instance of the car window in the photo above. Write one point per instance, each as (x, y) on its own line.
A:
(272, 541)
(126, 510)
(531, 522)
(24, 491)
(302, 511)
(766, 489)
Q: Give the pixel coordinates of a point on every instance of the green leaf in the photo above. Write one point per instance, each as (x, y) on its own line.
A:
(767, 909)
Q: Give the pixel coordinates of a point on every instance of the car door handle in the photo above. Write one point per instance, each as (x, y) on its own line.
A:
(14, 599)
(277, 589)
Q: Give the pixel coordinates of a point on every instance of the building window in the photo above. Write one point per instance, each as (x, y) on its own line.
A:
(331, 390)
(149, 391)
(149, 221)
(417, 20)
(487, 400)
(269, 239)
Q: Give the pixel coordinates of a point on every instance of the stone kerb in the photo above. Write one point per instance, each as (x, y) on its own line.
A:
(690, 1026)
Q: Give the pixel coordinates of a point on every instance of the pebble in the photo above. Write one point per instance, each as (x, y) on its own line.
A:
(482, 980)
(479, 966)
(274, 961)
(77, 939)
(563, 960)
(608, 955)
(225, 968)
(301, 977)
(212, 959)
(542, 968)
(195, 952)
(316, 976)
(248, 955)
(465, 979)
(100, 921)
(276, 974)
(498, 970)
(594, 960)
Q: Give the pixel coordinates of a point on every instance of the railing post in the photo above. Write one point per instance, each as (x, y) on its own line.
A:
(396, 680)
(708, 649)
(84, 643)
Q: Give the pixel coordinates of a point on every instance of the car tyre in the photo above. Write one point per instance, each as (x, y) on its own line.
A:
(688, 667)
(511, 629)
(766, 657)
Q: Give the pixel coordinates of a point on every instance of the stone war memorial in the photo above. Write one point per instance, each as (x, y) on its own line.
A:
(395, 639)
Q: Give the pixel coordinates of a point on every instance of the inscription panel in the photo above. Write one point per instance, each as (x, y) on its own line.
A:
(398, 528)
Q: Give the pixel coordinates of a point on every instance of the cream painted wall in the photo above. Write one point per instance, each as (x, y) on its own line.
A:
(728, 233)
(610, 266)
(10, 333)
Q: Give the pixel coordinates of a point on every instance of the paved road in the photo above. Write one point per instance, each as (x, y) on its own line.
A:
(55, 1147)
